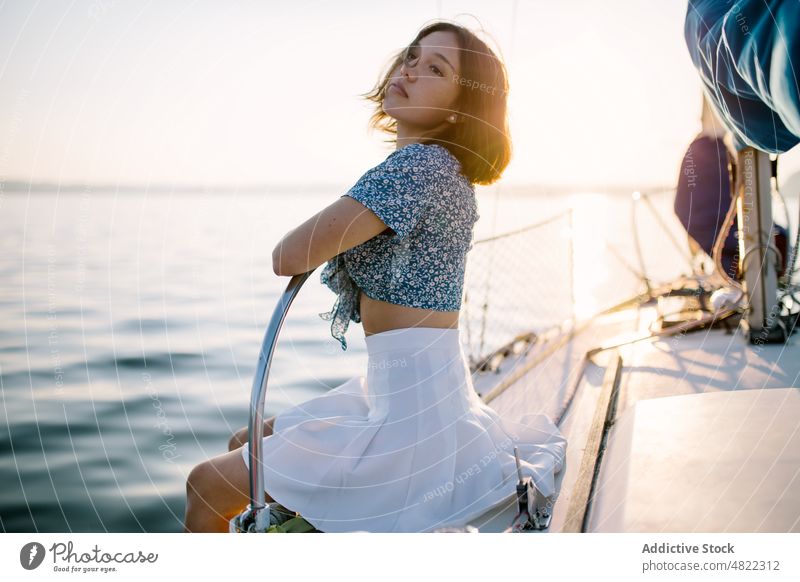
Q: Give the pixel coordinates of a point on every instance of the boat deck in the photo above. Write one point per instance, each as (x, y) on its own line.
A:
(664, 424)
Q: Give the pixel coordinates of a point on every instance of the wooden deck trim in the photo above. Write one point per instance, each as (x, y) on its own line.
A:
(578, 511)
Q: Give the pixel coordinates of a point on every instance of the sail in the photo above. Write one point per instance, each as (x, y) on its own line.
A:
(748, 56)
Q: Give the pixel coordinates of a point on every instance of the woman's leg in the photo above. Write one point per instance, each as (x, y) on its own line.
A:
(216, 491)
(241, 436)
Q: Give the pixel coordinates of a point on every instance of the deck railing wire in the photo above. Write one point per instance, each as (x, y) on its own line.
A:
(517, 283)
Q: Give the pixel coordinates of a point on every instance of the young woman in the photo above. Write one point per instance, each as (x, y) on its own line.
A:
(410, 446)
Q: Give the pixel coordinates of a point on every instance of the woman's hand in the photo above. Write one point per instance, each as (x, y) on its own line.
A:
(242, 436)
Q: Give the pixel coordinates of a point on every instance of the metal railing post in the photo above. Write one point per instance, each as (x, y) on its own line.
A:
(256, 516)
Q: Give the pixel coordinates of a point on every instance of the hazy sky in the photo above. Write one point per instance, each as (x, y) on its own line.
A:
(251, 92)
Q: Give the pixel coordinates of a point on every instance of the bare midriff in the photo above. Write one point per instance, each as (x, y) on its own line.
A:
(378, 316)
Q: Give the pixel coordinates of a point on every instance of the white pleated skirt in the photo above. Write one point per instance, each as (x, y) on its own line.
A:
(410, 447)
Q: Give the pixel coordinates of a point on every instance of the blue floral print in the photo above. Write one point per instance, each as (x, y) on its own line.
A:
(419, 192)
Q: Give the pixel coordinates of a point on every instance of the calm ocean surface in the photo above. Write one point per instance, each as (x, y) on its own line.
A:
(131, 325)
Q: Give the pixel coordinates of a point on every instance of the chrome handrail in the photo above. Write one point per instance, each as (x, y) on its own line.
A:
(255, 518)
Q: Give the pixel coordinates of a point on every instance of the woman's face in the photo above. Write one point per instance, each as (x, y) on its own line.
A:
(423, 90)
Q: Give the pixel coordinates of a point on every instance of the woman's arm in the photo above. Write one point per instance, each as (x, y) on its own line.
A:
(341, 226)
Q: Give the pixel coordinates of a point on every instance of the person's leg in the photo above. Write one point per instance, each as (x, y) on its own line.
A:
(216, 491)
(241, 436)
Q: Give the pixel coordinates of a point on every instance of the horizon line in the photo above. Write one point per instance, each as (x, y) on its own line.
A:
(278, 187)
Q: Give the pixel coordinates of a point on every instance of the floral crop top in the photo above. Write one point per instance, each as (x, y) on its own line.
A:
(419, 192)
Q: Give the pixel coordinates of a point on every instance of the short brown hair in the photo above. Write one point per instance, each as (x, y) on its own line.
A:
(481, 143)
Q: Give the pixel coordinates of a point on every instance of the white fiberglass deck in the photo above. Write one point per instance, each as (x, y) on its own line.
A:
(642, 484)
(727, 461)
